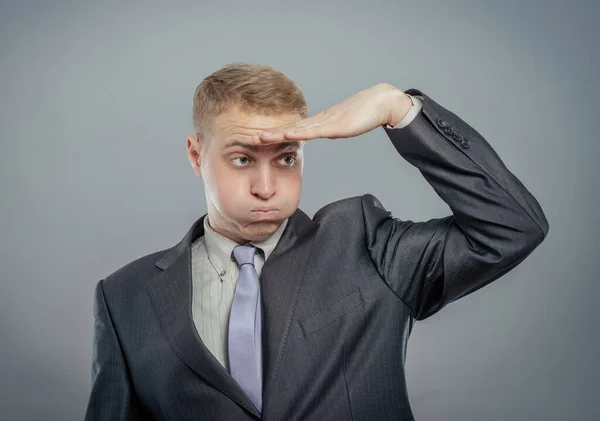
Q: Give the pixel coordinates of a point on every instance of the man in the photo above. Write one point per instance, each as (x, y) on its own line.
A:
(261, 312)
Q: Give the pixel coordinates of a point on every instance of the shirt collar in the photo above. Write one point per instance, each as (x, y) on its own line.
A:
(220, 248)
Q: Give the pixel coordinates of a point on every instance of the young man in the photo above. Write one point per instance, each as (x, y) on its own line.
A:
(261, 312)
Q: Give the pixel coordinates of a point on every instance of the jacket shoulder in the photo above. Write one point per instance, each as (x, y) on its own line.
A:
(351, 205)
(132, 275)
(357, 212)
(348, 205)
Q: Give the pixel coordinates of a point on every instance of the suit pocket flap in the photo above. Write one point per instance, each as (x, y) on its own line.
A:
(334, 311)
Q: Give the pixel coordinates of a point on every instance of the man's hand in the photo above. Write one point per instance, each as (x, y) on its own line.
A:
(362, 112)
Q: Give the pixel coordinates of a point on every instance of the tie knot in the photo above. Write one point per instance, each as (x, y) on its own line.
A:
(244, 254)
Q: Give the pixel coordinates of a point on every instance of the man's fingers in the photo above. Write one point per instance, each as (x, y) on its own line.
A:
(303, 134)
(292, 133)
(306, 127)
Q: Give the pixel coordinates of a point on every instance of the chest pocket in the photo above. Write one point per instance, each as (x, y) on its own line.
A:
(332, 312)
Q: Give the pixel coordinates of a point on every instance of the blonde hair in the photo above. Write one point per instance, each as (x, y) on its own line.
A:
(251, 88)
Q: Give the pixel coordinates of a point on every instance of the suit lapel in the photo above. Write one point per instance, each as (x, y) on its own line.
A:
(171, 294)
(281, 279)
(281, 275)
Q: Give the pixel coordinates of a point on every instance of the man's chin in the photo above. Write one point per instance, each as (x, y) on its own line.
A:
(263, 228)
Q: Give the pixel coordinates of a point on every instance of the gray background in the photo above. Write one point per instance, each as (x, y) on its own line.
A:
(95, 105)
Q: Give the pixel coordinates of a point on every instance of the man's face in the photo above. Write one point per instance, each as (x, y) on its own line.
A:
(239, 178)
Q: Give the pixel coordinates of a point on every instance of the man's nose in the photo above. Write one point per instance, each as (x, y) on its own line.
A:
(263, 184)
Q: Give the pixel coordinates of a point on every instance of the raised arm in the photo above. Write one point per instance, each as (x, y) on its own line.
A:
(495, 223)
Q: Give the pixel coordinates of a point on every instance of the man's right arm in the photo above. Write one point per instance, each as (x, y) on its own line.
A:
(112, 396)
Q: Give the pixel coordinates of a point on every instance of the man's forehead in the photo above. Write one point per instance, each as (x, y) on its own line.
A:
(235, 120)
(280, 146)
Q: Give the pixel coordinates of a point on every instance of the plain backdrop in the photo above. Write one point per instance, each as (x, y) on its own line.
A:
(95, 105)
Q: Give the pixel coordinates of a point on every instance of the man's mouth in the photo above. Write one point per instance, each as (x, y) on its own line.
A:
(264, 210)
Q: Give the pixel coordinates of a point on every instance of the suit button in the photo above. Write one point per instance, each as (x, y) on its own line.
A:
(448, 129)
(465, 143)
(441, 122)
(457, 136)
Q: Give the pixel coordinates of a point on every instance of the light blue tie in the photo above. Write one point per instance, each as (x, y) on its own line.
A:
(245, 327)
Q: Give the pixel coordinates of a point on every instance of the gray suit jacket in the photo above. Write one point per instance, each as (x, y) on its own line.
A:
(341, 292)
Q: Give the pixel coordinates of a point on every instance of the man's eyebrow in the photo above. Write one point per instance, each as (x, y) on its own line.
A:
(279, 146)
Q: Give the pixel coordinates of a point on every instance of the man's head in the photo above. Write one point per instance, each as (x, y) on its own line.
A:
(238, 101)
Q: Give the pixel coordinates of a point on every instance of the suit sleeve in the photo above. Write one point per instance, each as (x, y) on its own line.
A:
(112, 396)
(495, 223)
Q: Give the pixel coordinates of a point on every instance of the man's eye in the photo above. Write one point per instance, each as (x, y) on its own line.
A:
(240, 157)
(290, 156)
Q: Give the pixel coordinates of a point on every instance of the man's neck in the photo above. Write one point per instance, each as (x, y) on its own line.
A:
(225, 233)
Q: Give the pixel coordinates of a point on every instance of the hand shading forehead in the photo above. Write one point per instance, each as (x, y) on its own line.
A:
(234, 122)
(235, 129)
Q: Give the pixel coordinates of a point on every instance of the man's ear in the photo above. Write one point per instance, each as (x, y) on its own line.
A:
(194, 148)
